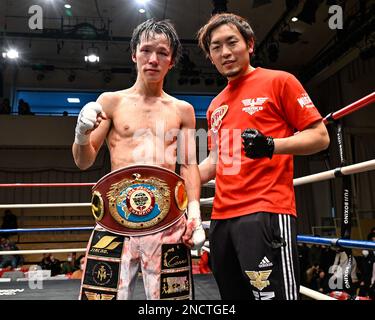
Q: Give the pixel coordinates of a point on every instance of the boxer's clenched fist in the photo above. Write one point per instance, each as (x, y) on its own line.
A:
(88, 120)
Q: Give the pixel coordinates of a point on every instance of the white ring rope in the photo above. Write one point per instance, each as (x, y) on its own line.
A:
(43, 205)
(354, 168)
(18, 252)
(314, 294)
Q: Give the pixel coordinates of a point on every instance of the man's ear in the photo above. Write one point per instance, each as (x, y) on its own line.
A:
(250, 46)
(134, 58)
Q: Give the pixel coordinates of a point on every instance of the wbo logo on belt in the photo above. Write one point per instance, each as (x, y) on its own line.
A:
(138, 200)
(139, 203)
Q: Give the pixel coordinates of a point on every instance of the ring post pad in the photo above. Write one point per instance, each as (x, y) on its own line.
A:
(139, 200)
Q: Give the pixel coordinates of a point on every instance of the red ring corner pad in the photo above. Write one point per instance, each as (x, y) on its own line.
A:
(139, 200)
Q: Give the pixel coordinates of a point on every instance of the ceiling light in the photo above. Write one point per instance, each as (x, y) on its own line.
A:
(294, 19)
(67, 6)
(142, 1)
(142, 10)
(11, 54)
(92, 58)
(92, 55)
(74, 100)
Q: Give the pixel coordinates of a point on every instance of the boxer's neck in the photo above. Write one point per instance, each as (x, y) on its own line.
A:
(148, 89)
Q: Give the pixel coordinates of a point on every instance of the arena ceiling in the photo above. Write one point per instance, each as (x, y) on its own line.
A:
(107, 25)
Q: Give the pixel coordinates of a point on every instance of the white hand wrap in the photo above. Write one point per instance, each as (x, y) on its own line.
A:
(86, 121)
(194, 214)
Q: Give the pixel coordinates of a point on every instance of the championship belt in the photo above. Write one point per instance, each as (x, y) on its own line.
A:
(138, 200)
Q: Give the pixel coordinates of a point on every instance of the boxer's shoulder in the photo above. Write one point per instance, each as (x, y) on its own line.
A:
(111, 100)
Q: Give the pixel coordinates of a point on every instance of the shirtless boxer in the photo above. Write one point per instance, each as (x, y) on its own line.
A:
(143, 125)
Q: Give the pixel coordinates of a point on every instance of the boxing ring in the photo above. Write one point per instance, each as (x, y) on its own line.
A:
(322, 176)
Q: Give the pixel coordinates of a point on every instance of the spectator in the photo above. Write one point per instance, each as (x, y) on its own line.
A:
(55, 266)
(5, 106)
(367, 267)
(45, 263)
(69, 266)
(303, 257)
(79, 273)
(311, 274)
(315, 253)
(12, 261)
(320, 282)
(327, 258)
(24, 108)
(9, 222)
(340, 265)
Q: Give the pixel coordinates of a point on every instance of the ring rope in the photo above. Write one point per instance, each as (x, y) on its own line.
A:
(18, 252)
(22, 230)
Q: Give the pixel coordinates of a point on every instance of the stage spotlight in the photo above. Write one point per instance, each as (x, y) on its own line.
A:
(308, 12)
(92, 55)
(11, 54)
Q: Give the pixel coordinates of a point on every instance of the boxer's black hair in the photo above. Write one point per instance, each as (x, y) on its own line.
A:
(152, 26)
(204, 33)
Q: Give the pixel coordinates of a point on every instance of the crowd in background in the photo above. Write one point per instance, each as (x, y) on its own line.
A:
(325, 269)
(23, 107)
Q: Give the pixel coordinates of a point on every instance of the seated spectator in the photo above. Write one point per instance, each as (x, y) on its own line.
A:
(79, 273)
(367, 268)
(69, 265)
(340, 265)
(320, 282)
(55, 266)
(9, 222)
(312, 273)
(5, 106)
(24, 108)
(45, 263)
(12, 261)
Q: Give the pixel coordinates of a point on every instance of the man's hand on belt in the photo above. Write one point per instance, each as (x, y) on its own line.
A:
(194, 236)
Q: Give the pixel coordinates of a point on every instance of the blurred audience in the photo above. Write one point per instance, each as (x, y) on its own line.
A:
(69, 266)
(79, 273)
(5, 106)
(24, 108)
(49, 262)
(9, 261)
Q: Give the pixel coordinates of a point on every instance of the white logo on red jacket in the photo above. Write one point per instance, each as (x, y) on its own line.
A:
(253, 105)
(305, 101)
(217, 118)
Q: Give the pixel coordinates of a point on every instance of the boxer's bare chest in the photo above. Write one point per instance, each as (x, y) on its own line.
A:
(132, 117)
